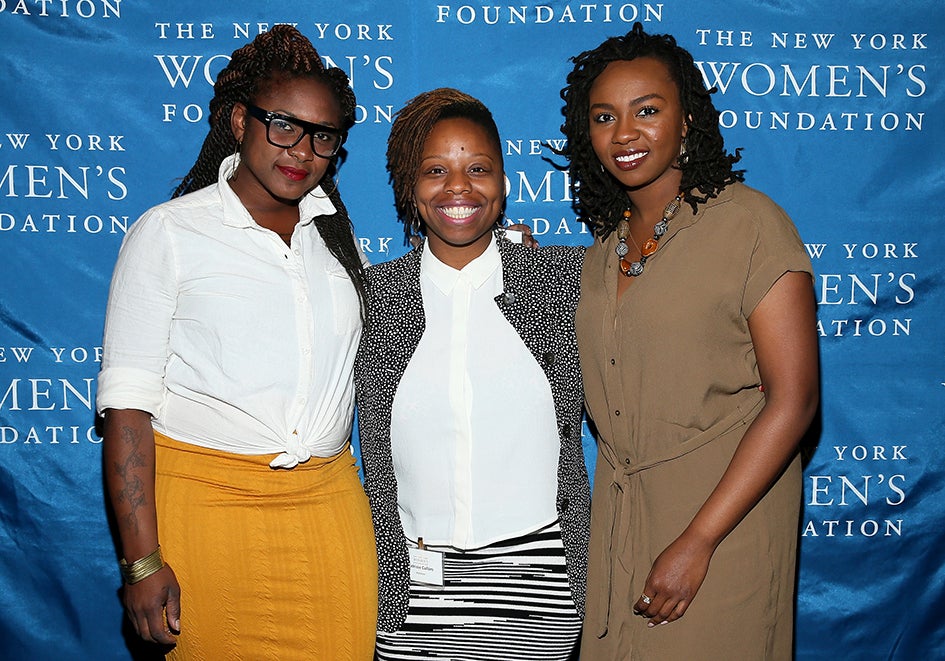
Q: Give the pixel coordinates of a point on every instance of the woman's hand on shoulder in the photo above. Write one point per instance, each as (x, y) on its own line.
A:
(528, 240)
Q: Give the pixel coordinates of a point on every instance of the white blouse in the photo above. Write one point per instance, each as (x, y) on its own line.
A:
(474, 437)
(231, 339)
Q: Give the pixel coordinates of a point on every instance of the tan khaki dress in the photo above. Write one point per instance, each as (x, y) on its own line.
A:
(672, 384)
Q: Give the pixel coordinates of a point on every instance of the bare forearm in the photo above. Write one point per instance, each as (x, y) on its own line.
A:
(768, 446)
(128, 449)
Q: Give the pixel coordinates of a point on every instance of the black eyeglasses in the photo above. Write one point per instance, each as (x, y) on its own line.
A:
(287, 132)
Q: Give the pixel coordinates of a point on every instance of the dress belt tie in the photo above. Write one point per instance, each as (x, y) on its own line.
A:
(624, 491)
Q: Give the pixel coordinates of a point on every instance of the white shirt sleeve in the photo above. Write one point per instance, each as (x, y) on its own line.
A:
(141, 303)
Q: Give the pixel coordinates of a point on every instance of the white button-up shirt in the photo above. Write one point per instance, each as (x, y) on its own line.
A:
(474, 438)
(228, 337)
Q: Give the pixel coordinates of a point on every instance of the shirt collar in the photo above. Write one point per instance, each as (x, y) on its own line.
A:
(477, 272)
(315, 203)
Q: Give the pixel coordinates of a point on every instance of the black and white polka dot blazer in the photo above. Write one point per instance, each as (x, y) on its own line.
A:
(542, 287)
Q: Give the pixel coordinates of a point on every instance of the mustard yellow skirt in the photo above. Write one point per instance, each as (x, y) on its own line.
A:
(272, 564)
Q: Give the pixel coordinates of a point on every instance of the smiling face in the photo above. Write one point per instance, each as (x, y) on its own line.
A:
(270, 176)
(637, 124)
(460, 189)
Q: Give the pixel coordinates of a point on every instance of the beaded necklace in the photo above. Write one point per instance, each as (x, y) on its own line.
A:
(650, 246)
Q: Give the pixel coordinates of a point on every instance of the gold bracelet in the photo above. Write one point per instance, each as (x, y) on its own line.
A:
(140, 569)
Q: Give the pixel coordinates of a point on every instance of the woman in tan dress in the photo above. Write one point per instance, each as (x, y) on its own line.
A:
(696, 329)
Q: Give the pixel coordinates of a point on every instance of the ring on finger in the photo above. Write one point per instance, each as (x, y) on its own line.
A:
(645, 599)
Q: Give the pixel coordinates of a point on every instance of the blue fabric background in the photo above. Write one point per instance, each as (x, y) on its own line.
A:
(845, 132)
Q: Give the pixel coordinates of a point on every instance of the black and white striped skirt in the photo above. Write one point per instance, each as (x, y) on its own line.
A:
(509, 600)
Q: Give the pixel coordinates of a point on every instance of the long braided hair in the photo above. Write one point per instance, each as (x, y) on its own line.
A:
(271, 59)
(598, 198)
(412, 125)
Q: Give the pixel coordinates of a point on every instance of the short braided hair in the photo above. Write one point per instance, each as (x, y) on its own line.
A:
(598, 198)
(412, 125)
(271, 59)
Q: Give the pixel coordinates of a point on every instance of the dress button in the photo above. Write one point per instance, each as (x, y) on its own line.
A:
(617, 413)
(549, 358)
(564, 505)
(613, 362)
(627, 461)
(566, 430)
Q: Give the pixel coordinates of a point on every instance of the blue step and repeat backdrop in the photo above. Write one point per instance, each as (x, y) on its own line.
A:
(839, 109)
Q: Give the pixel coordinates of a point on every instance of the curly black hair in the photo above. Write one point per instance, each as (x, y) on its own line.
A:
(271, 59)
(599, 200)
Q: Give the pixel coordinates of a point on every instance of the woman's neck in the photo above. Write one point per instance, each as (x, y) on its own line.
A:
(648, 203)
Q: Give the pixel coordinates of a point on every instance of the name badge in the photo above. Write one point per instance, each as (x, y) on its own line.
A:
(426, 566)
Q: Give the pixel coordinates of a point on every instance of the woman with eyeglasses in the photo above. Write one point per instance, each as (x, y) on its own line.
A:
(226, 385)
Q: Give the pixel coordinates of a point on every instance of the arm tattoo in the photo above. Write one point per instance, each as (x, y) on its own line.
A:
(132, 491)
